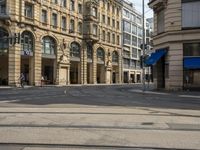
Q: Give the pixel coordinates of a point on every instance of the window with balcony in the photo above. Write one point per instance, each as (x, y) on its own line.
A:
(44, 16)
(80, 26)
(72, 7)
(54, 20)
(71, 26)
(108, 37)
(160, 22)
(190, 13)
(64, 23)
(80, 9)
(28, 12)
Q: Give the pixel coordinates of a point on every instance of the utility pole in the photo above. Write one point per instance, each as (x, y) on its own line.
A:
(143, 47)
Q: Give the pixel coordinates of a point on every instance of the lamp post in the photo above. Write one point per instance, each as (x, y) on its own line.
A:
(143, 48)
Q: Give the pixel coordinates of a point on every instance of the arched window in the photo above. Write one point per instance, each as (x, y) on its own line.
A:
(48, 45)
(75, 50)
(27, 43)
(115, 57)
(71, 26)
(4, 42)
(100, 54)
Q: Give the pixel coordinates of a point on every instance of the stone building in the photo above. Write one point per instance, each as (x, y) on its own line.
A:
(60, 41)
(176, 43)
(132, 39)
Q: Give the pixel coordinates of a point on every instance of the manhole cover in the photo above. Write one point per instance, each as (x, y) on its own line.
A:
(147, 123)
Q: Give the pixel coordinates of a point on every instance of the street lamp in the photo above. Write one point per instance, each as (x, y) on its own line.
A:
(143, 48)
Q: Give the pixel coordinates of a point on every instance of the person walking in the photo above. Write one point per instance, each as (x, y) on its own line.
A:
(22, 79)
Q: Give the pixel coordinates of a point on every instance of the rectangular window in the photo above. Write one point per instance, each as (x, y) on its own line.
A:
(55, 1)
(140, 32)
(160, 22)
(103, 19)
(117, 24)
(190, 14)
(2, 8)
(113, 23)
(113, 38)
(28, 12)
(64, 24)
(134, 29)
(79, 8)
(126, 26)
(54, 20)
(72, 5)
(63, 3)
(95, 29)
(103, 36)
(191, 49)
(108, 37)
(134, 40)
(127, 38)
(108, 21)
(134, 53)
(118, 40)
(94, 11)
(44, 16)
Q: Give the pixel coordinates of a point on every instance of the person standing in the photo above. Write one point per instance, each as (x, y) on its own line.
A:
(22, 79)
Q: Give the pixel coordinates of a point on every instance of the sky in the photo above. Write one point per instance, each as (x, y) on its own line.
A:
(138, 6)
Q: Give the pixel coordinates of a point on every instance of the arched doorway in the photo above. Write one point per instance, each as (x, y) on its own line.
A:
(27, 62)
(100, 65)
(115, 67)
(4, 47)
(49, 59)
(75, 66)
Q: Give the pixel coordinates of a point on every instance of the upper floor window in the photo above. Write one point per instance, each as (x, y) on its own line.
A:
(160, 21)
(108, 21)
(113, 23)
(134, 29)
(80, 8)
(80, 27)
(117, 11)
(127, 26)
(64, 23)
(48, 45)
(4, 43)
(72, 7)
(103, 19)
(27, 42)
(100, 54)
(55, 1)
(139, 20)
(3, 8)
(94, 11)
(126, 13)
(103, 35)
(44, 16)
(94, 31)
(117, 24)
(28, 12)
(54, 20)
(64, 3)
(113, 38)
(75, 50)
(113, 9)
(115, 57)
(108, 6)
(190, 13)
(108, 37)
(71, 26)
(118, 40)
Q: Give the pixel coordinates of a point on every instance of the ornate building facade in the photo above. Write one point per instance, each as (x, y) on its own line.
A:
(176, 60)
(60, 41)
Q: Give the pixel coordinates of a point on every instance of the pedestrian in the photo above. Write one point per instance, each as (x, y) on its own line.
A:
(22, 79)
(42, 81)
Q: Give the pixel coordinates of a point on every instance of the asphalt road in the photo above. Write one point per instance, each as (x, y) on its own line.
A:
(120, 117)
(129, 95)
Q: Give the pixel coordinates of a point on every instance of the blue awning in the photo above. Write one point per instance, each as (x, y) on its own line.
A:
(191, 62)
(155, 57)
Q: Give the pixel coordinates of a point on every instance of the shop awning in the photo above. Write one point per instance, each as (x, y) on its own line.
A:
(191, 62)
(155, 57)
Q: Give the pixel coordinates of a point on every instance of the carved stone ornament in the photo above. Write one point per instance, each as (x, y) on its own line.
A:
(109, 63)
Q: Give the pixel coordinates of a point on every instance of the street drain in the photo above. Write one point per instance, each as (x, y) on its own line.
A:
(147, 123)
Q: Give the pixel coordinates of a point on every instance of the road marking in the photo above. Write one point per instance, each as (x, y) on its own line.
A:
(8, 101)
(150, 92)
(189, 96)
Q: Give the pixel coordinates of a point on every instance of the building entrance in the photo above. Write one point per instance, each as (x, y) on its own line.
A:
(48, 70)
(75, 72)
(100, 73)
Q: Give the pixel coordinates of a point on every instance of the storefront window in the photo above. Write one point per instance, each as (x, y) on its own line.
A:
(48, 45)
(75, 50)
